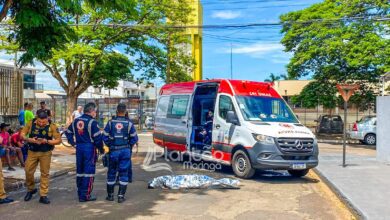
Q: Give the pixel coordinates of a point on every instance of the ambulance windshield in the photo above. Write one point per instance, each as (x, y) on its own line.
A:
(266, 109)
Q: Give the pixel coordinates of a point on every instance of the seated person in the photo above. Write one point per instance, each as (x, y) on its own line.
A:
(17, 142)
(7, 149)
(206, 131)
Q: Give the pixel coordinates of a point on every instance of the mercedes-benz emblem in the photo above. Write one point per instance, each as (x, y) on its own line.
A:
(298, 144)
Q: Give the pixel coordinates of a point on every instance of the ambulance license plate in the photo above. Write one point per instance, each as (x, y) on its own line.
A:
(299, 166)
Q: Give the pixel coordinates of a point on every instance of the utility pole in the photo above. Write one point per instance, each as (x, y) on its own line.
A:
(231, 60)
(168, 71)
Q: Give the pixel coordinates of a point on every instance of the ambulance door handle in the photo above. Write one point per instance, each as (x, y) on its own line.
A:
(183, 122)
(217, 126)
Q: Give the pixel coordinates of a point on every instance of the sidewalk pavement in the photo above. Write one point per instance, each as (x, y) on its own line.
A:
(63, 161)
(364, 184)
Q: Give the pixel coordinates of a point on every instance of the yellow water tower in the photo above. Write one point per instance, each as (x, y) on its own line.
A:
(196, 19)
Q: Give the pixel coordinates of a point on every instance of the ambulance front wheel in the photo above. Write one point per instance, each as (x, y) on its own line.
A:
(242, 166)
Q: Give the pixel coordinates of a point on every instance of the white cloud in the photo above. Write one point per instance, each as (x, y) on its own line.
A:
(257, 49)
(282, 58)
(226, 14)
(271, 51)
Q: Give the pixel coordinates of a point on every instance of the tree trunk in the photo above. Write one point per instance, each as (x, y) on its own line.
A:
(71, 102)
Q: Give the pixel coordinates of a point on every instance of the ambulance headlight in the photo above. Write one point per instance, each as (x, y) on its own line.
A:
(264, 138)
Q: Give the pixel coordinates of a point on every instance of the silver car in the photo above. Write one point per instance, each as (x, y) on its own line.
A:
(364, 130)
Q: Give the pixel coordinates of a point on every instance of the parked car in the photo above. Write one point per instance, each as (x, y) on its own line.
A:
(364, 130)
(329, 124)
(149, 111)
(133, 115)
(246, 125)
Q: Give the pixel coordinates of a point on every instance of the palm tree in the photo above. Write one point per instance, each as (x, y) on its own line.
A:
(272, 78)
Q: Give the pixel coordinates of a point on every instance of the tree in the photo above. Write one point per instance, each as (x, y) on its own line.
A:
(339, 41)
(272, 78)
(318, 93)
(364, 98)
(89, 58)
(40, 26)
(287, 77)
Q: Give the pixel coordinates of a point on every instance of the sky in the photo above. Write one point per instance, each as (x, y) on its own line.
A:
(256, 51)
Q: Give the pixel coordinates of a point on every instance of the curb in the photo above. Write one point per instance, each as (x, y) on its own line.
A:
(325, 141)
(22, 183)
(358, 214)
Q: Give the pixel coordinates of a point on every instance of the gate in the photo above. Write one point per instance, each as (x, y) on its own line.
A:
(11, 92)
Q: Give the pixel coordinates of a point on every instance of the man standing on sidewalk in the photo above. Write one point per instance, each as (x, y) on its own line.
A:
(78, 113)
(41, 136)
(3, 197)
(28, 114)
(86, 135)
(44, 109)
(119, 135)
(21, 115)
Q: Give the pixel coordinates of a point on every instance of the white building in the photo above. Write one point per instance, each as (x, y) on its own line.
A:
(123, 90)
(29, 78)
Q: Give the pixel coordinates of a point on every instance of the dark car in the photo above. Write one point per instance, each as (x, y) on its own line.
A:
(329, 124)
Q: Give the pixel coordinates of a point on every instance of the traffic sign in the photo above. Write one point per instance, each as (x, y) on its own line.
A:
(347, 90)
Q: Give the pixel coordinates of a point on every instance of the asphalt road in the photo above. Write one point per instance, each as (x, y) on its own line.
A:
(269, 195)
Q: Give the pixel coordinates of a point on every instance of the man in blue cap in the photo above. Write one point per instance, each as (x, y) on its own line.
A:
(85, 133)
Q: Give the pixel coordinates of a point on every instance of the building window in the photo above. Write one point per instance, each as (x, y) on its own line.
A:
(29, 81)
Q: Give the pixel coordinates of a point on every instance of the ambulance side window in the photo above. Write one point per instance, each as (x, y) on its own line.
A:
(177, 106)
(225, 105)
(162, 107)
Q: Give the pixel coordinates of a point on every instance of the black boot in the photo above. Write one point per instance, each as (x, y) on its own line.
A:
(30, 194)
(44, 200)
(110, 192)
(121, 193)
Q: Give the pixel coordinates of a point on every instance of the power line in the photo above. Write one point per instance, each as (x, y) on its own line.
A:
(223, 26)
(241, 2)
(257, 7)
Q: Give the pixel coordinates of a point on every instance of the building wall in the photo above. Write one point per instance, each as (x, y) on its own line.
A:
(124, 89)
(382, 129)
(290, 87)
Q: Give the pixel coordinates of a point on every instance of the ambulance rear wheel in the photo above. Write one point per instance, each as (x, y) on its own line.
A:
(242, 166)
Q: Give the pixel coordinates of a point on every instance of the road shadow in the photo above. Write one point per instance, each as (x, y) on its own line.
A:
(265, 176)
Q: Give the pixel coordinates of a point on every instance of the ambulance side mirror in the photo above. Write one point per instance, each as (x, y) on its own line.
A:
(231, 117)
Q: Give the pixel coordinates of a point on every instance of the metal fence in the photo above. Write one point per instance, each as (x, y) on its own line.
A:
(137, 108)
(11, 92)
(309, 116)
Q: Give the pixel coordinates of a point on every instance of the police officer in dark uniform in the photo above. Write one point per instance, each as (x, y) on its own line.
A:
(120, 136)
(85, 133)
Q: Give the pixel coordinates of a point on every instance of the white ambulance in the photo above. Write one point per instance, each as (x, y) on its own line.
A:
(244, 124)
